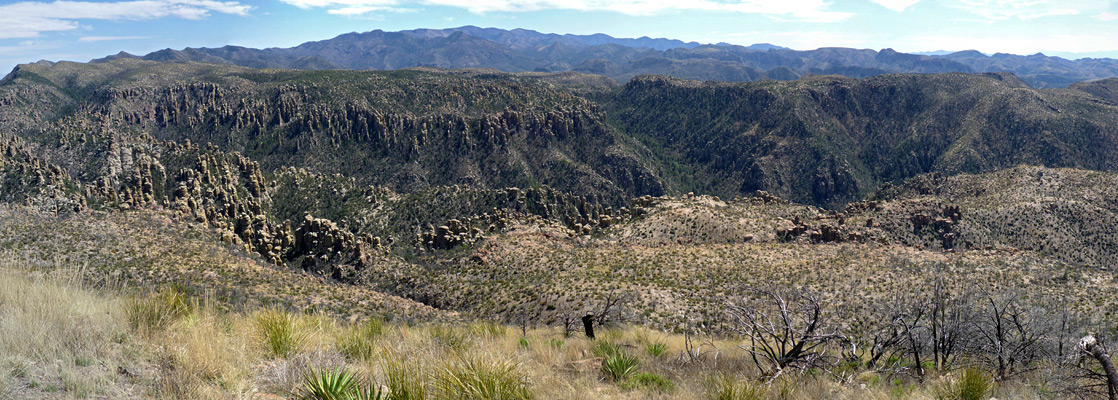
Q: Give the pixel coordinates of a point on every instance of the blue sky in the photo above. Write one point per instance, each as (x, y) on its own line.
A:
(80, 30)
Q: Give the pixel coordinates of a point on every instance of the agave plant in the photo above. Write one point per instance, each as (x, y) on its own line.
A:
(619, 366)
(336, 384)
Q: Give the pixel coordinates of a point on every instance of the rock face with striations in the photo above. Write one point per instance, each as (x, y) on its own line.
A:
(405, 134)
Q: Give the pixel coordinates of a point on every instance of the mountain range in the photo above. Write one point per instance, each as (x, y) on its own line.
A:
(522, 50)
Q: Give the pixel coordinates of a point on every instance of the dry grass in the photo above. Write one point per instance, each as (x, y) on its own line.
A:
(59, 338)
(62, 340)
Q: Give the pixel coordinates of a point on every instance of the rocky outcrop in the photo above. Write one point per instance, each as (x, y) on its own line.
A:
(369, 138)
(29, 180)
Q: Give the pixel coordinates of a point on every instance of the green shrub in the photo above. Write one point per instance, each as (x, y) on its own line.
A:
(359, 341)
(474, 379)
(371, 392)
(556, 343)
(487, 329)
(648, 381)
(334, 384)
(279, 332)
(157, 310)
(404, 379)
(603, 348)
(729, 387)
(656, 349)
(619, 366)
(523, 343)
(971, 384)
(449, 337)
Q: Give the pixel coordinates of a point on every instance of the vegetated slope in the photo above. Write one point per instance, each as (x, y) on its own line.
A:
(128, 134)
(819, 140)
(404, 129)
(307, 169)
(147, 249)
(1039, 70)
(521, 50)
(674, 261)
(832, 140)
(1065, 214)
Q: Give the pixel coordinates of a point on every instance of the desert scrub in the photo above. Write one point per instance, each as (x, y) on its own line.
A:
(451, 337)
(157, 310)
(650, 382)
(471, 378)
(970, 384)
(359, 341)
(338, 384)
(404, 379)
(731, 387)
(45, 320)
(279, 332)
(619, 366)
(487, 329)
(604, 348)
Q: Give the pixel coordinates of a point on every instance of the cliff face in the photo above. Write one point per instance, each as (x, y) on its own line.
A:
(461, 137)
(308, 170)
(332, 171)
(828, 140)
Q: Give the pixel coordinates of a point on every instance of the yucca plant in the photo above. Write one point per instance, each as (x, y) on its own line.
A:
(475, 379)
(619, 366)
(332, 384)
(603, 348)
(371, 392)
(656, 349)
(279, 332)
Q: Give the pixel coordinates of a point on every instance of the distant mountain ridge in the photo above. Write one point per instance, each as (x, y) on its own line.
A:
(521, 50)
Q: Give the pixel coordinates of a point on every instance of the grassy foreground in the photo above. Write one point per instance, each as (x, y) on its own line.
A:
(59, 339)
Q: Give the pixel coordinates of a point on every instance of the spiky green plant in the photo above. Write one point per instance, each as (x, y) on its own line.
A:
(604, 348)
(279, 332)
(656, 349)
(332, 384)
(619, 366)
(476, 379)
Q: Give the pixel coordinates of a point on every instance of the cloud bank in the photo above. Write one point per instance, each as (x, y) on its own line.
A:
(31, 19)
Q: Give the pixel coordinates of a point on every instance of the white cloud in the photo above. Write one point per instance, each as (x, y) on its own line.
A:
(1107, 16)
(1026, 10)
(32, 18)
(896, 5)
(800, 10)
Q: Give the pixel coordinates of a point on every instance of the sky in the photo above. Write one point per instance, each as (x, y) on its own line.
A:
(80, 30)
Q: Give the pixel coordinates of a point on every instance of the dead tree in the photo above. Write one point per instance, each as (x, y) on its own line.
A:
(611, 311)
(1010, 336)
(950, 320)
(902, 333)
(1094, 348)
(785, 330)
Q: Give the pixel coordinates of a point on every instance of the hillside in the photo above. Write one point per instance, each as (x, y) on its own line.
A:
(522, 50)
(435, 199)
(417, 181)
